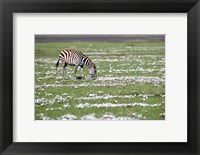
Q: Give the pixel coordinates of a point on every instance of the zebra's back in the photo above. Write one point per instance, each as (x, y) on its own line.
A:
(72, 57)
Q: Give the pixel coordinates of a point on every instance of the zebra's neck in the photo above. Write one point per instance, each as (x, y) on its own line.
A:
(88, 63)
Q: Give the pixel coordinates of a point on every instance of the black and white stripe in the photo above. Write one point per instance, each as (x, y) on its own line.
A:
(76, 58)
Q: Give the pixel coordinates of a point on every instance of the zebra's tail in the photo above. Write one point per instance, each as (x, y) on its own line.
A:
(57, 63)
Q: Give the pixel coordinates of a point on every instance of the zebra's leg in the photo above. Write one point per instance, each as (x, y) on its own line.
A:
(82, 71)
(75, 71)
(63, 68)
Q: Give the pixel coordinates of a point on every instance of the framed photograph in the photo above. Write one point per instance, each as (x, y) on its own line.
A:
(106, 77)
(130, 84)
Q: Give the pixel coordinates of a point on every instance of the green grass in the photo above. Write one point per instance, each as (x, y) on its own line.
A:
(133, 69)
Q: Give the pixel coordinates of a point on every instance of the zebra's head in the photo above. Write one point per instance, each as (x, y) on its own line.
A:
(93, 72)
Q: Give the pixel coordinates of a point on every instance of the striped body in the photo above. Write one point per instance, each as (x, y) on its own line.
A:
(78, 59)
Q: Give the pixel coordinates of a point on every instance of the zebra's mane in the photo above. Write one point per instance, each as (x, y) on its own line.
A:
(90, 63)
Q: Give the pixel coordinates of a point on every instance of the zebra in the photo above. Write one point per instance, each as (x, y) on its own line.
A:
(77, 59)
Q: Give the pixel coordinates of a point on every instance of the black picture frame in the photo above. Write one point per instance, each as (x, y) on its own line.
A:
(8, 7)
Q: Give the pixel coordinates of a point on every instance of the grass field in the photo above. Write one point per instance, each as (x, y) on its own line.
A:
(130, 82)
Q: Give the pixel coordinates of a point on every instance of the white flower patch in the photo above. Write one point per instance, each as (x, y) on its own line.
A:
(149, 56)
(112, 105)
(52, 109)
(39, 78)
(51, 72)
(135, 79)
(65, 105)
(106, 96)
(155, 63)
(48, 77)
(138, 116)
(162, 95)
(124, 118)
(38, 73)
(59, 77)
(112, 117)
(78, 85)
(40, 114)
(58, 98)
(89, 117)
(45, 61)
(107, 116)
(48, 94)
(58, 82)
(100, 92)
(162, 114)
(46, 118)
(40, 100)
(66, 96)
(162, 70)
(67, 117)
(139, 69)
(111, 81)
(37, 93)
(38, 86)
(122, 78)
(43, 117)
(92, 95)
(144, 96)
